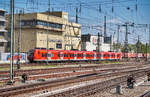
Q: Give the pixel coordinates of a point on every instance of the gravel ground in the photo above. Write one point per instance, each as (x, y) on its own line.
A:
(65, 86)
(140, 88)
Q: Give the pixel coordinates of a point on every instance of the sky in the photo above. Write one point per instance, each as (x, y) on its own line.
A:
(91, 14)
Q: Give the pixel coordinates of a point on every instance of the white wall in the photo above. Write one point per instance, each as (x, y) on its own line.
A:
(6, 57)
(92, 45)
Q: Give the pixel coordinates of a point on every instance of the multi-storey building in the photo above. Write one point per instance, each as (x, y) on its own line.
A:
(3, 41)
(38, 29)
(89, 43)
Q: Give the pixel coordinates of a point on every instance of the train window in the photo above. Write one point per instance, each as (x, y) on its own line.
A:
(61, 55)
(79, 55)
(42, 54)
(86, 55)
(108, 55)
(52, 55)
(66, 55)
(45, 54)
(99, 55)
(49, 55)
(104, 55)
(58, 55)
(75, 55)
(72, 55)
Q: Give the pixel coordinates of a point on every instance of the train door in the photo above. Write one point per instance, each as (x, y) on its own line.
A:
(102, 56)
(75, 55)
(49, 56)
(84, 56)
(94, 56)
(110, 56)
(61, 55)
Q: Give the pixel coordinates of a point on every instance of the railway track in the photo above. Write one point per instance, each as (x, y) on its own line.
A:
(51, 70)
(49, 84)
(67, 63)
(91, 89)
(59, 72)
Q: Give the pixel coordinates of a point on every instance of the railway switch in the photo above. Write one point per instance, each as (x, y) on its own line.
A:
(130, 82)
(148, 76)
(24, 77)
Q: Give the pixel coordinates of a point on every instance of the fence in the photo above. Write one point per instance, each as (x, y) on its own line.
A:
(6, 57)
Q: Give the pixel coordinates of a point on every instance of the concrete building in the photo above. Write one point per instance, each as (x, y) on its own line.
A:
(62, 34)
(3, 41)
(89, 43)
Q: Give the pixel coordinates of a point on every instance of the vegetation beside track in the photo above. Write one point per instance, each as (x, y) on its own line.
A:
(44, 65)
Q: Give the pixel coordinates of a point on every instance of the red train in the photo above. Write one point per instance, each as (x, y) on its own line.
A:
(68, 55)
(135, 55)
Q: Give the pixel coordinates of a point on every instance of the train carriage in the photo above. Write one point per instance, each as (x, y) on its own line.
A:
(90, 55)
(68, 55)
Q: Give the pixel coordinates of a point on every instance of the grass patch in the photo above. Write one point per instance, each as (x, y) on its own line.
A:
(4, 68)
(38, 67)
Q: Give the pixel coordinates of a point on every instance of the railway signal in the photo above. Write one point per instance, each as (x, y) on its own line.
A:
(19, 40)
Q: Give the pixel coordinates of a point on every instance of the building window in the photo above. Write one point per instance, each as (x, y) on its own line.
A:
(1, 43)
(1, 33)
(39, 22)
(58, 45)
(2, 23)
(28, 23)
(2, 13)
(49, 24)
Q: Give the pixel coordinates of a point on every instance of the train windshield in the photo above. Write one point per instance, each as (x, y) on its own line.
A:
(31, 53)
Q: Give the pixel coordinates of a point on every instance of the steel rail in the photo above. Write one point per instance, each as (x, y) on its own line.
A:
(95, 88)
(49, 84)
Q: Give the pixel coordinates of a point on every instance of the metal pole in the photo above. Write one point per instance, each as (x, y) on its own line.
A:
(146, 51)
(98, 45)
(105, 26)
(138, 46)
(110, 43)
(48, 27)
(149, 39)
(76, 15)
(118, 38)
(12, 42)
(126, 39)
(19, 40)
